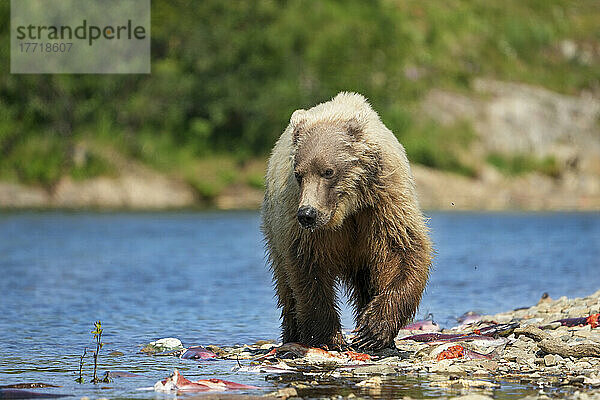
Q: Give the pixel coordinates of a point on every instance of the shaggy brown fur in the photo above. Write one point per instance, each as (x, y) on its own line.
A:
(339, 160)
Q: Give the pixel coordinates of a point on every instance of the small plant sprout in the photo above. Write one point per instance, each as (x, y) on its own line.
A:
(80, 379)
(97, 332)
(106, 378)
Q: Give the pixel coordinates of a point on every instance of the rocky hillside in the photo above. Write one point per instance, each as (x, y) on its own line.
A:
(532, 149)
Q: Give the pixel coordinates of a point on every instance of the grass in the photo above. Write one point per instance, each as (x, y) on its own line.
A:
(44, 159)
(251, 82)
(514, 165)
(256, 181)
(38, 161)
(92, 166)
(510, 40)
(440, 147)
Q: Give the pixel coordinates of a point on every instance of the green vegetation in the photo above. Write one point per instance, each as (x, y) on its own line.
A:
(80, 378)
(226, 76)
(521, 164)
(256, 181)
(97, 332)
(91, 166)
(441, 147)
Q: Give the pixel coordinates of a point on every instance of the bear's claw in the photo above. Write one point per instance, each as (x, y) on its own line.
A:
(372, 335)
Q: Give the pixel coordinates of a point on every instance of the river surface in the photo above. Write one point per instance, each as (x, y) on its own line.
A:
(201, 277)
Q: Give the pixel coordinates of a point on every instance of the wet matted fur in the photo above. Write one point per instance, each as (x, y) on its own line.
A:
(369, 233)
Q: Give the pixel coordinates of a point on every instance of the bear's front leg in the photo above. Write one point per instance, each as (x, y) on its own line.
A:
(289, 324)
(316, 311)
(396, 299)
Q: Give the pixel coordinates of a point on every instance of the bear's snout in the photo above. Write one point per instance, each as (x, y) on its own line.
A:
(307, 216)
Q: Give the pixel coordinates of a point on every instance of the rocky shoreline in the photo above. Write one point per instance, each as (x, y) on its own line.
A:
(549, 350)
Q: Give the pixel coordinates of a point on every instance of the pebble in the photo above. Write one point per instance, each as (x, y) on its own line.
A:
(467, 383)
(162, 345)
(550, 360)
(551, 325)
(583, 365)
(584, 331)
(380, 369)
(518, 360)
(577, 311)
(389, 360)
(503, 318)
(441, 366)
(456, 370)
(472, 397)
(376, 381)
(284, 393)
(574, 380)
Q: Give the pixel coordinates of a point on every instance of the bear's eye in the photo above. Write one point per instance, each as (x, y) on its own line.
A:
(298, 177)
(328, 173)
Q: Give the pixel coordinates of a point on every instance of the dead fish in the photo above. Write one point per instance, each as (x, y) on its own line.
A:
(354, 356)
(425, 325)
(481, 333)
(295, 349)
(592, 320)
(280, 368)
(430, 337)
(28, 385)
(25, 394)
(197, 353)
(314, 353)
(176, 382)
(459, 351)
(468, 318)
(466, 338)
(497, 329)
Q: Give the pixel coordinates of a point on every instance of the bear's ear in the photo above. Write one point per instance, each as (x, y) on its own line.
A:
(297, 122)
(297, 117)
(354, 127)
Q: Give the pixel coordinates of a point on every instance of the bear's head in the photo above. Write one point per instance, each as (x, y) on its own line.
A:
(334, 167)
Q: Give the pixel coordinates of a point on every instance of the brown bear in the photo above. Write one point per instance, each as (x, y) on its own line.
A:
(340, 207)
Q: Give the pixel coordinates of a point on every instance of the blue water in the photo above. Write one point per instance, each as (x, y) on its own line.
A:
(201, 277)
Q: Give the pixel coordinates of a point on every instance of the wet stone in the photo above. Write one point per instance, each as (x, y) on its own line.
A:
(551, 325)
(550, 360)
(388, 360)
(583, 332)
(163, 345)
(371, 382)
(456, 369)
(472, 397)
(284, 393)
(583, 365)
(381, 369)
(577, 311)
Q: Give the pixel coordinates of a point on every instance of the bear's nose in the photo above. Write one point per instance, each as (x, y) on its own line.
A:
(307, 216)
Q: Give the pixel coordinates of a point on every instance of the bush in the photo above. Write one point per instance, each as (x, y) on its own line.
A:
(522, 164)
(226, 75)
